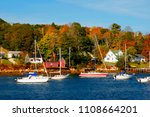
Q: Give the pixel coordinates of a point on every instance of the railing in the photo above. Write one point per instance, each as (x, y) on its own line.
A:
(138, 70)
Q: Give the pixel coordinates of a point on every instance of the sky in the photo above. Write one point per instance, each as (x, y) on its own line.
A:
(101, 13)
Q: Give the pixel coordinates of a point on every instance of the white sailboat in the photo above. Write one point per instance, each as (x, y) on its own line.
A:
(123, 75)
(32, 77)
(94, 73)
(59, 76)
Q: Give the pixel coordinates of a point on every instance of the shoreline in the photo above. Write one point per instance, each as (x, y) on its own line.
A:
(72, 72)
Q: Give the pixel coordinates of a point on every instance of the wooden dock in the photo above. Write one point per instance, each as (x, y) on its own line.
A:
(138, 70)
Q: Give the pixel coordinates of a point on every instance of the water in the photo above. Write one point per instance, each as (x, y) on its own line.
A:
(75, 88)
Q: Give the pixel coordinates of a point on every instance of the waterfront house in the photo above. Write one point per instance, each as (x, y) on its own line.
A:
(32, 59)
(112, 56)
(51, 64)
(12, 54)
(55, 64)
(138, 58)
(2, 54)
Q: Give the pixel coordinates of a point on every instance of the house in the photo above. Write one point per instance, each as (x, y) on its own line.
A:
(63, 63)
(12, 54)
(55, 64)
(138, 58)
(35, 60)
(32, 59)
(2, 54)
(112, 56)
(51, 64)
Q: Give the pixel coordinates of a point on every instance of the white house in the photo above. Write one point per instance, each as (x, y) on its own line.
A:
(14, 54)
(32, 59)
(37, 60)
(113, 55)
(138, 58)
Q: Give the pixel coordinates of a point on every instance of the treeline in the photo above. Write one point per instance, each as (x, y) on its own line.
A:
(80, 40)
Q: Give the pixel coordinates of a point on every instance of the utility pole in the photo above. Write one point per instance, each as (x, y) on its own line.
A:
(149, 59)
(1, 55)
(69, 55)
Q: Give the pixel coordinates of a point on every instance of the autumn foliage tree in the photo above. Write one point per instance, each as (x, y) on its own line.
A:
(79, 39)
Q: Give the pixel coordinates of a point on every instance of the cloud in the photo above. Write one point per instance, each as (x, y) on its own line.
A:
(134, 8)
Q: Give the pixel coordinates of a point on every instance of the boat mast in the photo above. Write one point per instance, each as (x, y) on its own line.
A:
(149, 59)
(35, 56)
(60, 60)
(69, 55)
(95, 54)
(100, 51)
(125, 56)
(42, 61)
(1, 55)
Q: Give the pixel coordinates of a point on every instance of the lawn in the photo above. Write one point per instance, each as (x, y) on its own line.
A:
(5, 61)
(139, 65)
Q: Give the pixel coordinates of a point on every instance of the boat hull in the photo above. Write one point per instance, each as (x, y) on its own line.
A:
(59, 77)
(93, 75)
(122, 77)
(143, 80)
(33, 79)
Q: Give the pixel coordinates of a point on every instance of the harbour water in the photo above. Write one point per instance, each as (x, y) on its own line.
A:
(75, 88)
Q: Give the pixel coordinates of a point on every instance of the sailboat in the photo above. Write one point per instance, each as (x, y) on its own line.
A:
(33, 77)
(59, 76)
(92, 74)
(123, 75)
(145, 79)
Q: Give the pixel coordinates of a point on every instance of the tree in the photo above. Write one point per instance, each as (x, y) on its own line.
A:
(19, 37)
(48, 43)
(128, 29)
(132, 51)
(121, 63)
(3, 29)
(115, 28)
(139, 43)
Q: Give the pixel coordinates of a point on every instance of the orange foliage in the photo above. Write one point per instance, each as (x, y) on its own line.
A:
(50, 30)
(64, 29)
(128, 44)
(95, 30)
(146, 48)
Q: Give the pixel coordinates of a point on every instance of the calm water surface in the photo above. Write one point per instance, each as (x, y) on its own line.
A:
(75, 88)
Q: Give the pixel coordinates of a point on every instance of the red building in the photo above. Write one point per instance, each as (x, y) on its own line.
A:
(55, 64)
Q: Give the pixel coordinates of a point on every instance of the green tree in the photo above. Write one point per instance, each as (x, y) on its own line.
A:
(121, 63)
(3, 29)
(115, 28)
(132, 51)
(20, 37)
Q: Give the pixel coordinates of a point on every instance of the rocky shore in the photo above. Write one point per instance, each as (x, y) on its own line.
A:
(19, 72)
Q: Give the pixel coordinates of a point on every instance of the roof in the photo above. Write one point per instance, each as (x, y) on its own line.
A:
(139, 55)
(2, 52)
(116, 51)
(14, 52)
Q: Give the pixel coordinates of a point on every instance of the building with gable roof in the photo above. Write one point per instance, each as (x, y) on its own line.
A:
(113, 55)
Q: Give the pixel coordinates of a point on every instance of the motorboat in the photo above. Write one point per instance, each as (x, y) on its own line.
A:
(122, 76)
(145, 79)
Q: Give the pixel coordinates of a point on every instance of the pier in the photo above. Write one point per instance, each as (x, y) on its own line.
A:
(138, 70)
